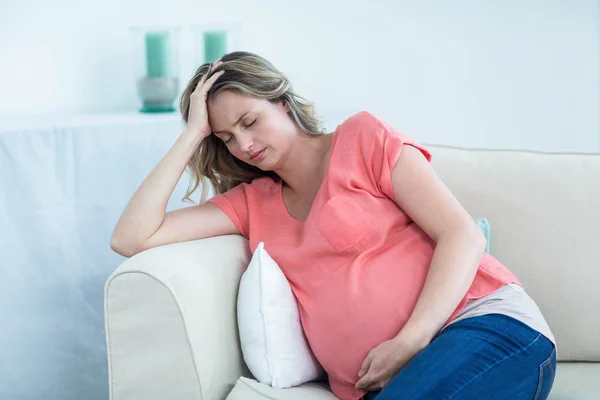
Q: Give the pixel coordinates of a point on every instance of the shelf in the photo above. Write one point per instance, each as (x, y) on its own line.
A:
(85, 119)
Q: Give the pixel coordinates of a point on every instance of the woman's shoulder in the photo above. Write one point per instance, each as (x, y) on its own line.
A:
(366, 128)
(372, 138)
(362, 126)
(362, 130)
(361, 120)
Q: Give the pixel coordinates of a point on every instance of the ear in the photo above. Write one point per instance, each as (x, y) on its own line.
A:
(285, 105)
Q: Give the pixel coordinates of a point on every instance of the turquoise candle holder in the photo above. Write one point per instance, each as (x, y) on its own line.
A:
(156, 63)
(157, 54)
(213, 41)
(215, 45)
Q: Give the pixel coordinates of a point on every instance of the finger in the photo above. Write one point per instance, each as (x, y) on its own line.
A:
(208, 84)
(212, 68)
(363, 370)
(376, 383)
(373, 384)
(204, 87)
(373, 387)
(202, 80)
(364, 382)
(365, 366)
(208, 73)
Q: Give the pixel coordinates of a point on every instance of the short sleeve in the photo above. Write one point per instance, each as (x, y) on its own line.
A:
(380, 147)
(234, 203)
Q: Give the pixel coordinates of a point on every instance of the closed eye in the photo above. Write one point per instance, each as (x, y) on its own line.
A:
(245, 126)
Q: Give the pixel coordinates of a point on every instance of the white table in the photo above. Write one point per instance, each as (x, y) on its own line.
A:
(64, 182)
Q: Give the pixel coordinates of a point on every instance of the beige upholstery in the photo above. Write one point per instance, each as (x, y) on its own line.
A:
(574, 381)
(170, 311)
(170, 321)
(545, 221)
(250, 389)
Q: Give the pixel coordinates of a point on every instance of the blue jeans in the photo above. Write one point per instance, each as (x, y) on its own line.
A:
(491, 357)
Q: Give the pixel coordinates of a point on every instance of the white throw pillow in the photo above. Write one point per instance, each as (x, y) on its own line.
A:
(273, 342)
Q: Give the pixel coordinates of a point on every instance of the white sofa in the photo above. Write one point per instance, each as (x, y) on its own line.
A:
(171, 311)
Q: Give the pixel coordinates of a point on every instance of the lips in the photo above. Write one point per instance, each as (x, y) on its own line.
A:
(253, 156)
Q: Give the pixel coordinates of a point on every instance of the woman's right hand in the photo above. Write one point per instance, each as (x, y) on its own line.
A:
(198, 115)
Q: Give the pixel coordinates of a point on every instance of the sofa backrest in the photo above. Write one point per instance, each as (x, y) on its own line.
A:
(545, 227)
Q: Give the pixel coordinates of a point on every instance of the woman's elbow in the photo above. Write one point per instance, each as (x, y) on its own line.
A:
(468, 235)
(478, 239)
(120, 247)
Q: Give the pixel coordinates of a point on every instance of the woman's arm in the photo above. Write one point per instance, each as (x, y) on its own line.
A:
(145, 224)
(459, 244)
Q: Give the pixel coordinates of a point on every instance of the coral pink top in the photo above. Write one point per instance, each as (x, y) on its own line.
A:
(357, 265)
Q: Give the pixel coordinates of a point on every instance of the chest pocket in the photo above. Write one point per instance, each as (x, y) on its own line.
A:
(346, 225)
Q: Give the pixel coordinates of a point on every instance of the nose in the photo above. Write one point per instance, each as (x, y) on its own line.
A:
(245, 141)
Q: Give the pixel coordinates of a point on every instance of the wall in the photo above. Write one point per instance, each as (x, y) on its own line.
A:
(464, 72)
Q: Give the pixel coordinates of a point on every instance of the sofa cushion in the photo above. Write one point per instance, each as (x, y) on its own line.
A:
(485, 228)
(576, 381)
(273, 342)
(543, 208)
(250, 389)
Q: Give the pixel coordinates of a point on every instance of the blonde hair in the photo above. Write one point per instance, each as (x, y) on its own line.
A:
(250, 75)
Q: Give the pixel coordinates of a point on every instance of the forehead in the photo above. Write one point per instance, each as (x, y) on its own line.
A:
(228, 106)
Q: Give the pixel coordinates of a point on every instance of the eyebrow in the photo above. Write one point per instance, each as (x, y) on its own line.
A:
(236, 122)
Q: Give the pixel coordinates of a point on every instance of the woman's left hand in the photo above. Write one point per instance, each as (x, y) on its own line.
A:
(383, 363)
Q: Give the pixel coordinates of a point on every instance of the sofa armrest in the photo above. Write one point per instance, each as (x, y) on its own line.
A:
(171, 326)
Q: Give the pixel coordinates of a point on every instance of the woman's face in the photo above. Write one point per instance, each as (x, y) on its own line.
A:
(255, 131)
